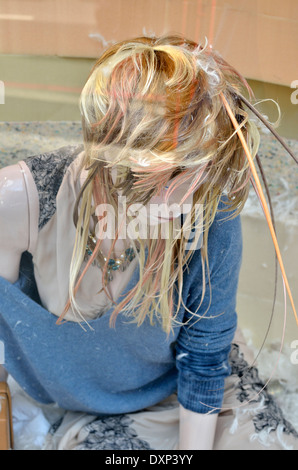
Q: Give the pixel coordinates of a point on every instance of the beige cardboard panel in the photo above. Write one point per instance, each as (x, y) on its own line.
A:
(263, 54)
(258, 37)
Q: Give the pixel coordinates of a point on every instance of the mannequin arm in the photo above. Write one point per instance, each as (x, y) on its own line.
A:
(196, 430)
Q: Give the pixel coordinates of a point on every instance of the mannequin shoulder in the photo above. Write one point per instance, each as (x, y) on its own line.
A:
(14, 220)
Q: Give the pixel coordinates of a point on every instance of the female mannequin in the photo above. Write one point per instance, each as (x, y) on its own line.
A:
(155, 131)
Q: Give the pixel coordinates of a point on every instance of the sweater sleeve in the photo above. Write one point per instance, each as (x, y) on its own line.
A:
(204, 342)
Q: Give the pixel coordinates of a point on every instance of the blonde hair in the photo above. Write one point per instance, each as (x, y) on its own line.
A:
(152, 108)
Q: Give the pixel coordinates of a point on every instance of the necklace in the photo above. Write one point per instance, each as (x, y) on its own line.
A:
(114, 264)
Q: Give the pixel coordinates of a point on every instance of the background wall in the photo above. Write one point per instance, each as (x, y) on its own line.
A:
(256, 36)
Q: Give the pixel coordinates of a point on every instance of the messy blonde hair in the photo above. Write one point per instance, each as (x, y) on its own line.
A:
(152, 109)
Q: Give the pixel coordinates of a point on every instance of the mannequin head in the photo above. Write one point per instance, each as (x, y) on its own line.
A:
(155, 126)
(152, 109)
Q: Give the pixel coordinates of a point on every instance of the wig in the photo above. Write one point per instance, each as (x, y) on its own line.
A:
(155, 110)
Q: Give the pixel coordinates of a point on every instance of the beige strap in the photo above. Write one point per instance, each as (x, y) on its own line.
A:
(19, 212)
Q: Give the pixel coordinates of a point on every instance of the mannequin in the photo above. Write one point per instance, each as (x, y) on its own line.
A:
(156, 131)
(13, 181)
